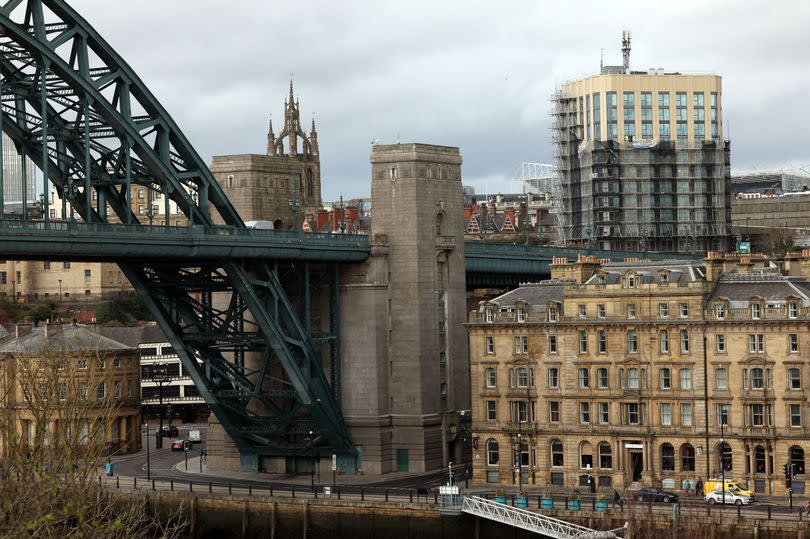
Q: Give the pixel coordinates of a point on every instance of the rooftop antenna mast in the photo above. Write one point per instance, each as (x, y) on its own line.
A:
(626, 50)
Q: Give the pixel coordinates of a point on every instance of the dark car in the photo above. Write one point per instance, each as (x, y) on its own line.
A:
(168, 431)
(654, 495)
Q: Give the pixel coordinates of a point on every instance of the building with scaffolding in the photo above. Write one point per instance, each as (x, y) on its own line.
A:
(641, 160)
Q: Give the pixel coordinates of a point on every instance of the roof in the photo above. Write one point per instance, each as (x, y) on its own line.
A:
(679, 271)
(133, 336)
(536, 295)
(739, 289)
(64, 338)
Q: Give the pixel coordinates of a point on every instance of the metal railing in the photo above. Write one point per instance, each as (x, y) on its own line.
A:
(523, 519)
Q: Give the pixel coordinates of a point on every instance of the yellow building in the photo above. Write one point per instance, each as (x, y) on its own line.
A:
(58, 378)
(35, 280)
(625, 372)
(642, 160)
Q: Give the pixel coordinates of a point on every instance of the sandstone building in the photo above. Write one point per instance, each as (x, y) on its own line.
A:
(644, 374)
(283, 185)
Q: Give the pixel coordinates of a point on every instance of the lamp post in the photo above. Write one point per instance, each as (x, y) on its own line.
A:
(148, 457)
(160, 376)
(293, 199)
(723, 451)
(60, 290)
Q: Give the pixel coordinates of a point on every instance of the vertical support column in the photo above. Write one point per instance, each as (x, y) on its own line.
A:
(335, 330)
(2, 149)
(45, 157)
(128, 167)
(88, 199)
(239, 354)
(24, 183)
(307, 304)
(167, 205)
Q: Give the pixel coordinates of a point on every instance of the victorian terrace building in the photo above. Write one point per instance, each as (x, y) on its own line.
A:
(642, 373)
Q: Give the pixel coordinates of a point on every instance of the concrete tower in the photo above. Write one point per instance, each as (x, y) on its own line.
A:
(405, 359)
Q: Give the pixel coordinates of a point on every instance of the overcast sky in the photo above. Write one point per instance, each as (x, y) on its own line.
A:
(465, 73)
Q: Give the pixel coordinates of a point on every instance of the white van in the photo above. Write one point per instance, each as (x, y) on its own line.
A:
(260, 225)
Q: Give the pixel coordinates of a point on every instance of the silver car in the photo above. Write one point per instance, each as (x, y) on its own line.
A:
(729, 497)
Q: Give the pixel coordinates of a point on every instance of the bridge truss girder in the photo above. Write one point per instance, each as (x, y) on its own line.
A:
(72, 105)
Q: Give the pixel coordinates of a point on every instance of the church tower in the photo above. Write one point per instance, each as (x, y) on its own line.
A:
(284, 184)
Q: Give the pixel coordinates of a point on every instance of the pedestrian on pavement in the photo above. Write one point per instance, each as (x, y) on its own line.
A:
(617, 499)
(699, 487)
(807, 508)
(591, 483)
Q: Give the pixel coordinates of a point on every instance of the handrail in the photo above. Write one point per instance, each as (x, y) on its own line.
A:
(181, 231)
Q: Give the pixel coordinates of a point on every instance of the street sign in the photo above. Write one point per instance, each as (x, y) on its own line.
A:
(334, 462)
(744, 247)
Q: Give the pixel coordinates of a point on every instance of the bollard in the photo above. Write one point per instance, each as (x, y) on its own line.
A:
(250, 491)
(135, 483)
(362, 494)
(293, 491)
(117, 482)
(435, 496)
(769, 512)
(271, 490)
(411, 493)
(315, 490)
(171, 483)
(210, 487)
(538, 502)
(230, 491)
(593, 504)
(99, 480)
(153, 484)
(513, 500)
(191, 486)
(386, 494)
(338, 493)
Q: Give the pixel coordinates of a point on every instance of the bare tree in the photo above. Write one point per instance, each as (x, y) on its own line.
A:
(56, 410)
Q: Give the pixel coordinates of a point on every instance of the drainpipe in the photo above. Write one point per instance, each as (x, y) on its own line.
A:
(706, 398)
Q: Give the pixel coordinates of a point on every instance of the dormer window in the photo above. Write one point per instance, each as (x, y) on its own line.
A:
(663, 278)
(756, 311)
(720, 311)
(552, 313)
(631, 280)
(521, 314)
(793, 310)
(489, 315)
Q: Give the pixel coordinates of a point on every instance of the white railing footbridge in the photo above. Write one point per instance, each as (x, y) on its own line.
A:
(531, 521)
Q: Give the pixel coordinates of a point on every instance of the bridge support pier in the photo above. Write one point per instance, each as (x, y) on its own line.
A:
(249, 462)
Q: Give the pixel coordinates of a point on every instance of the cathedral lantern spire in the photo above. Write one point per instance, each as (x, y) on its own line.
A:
(271, 138)
(313, 137)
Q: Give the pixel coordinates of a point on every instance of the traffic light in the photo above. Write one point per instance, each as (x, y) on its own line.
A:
(787, 471)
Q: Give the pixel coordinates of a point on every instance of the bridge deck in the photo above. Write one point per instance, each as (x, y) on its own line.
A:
(71, 240)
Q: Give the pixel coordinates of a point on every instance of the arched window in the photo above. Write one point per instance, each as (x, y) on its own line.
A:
(759, 459)
(797, 459)
(687, 458)
(439, 224)
(724, 457)
(557, 457)
(605, 456)
(585, 455)
(667, 458)
(492, 452)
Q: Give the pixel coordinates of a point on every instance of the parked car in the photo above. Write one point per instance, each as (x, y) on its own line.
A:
(169, 431)
(731, 486)
(182, 445)
(736, 498)
(654, 495)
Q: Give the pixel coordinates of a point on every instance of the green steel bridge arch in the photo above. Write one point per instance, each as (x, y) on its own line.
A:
(74, 106)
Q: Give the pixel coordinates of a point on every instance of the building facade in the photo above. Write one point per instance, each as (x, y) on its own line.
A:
(282, 186)
(34, 280)
(54, 375)
(644, 374)
(642, 161)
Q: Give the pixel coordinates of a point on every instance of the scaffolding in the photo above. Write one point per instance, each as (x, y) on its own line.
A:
(566, 134)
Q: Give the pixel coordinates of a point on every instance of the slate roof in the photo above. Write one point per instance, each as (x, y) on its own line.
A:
(64, 338)
(536, 295)
(133, 336)
(680, 271)
(773, 289)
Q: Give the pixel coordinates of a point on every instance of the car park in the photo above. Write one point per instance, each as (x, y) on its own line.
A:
(736, 498)
(654, 495)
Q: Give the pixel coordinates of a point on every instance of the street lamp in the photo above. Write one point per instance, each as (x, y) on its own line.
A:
(723, 451)
(161, 377)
